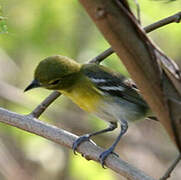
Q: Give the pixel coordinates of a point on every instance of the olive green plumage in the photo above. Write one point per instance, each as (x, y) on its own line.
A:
(57, 69)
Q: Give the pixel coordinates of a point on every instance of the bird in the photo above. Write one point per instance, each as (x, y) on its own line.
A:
(96, 89)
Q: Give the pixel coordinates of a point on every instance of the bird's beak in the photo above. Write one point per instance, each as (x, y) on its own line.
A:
(32, 85)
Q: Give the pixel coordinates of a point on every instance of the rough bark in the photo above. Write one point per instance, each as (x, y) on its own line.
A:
(147, 65)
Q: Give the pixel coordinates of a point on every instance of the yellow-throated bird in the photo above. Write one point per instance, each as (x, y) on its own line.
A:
(94, 88)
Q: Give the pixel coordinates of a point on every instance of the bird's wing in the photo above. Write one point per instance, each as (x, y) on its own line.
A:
(112, 83)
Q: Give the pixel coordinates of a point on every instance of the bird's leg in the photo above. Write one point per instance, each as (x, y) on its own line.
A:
(86, 137)
(105, 154)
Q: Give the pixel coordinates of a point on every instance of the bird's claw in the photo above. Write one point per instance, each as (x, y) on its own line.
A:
(102, 156)
(78, 141)
(105, 154)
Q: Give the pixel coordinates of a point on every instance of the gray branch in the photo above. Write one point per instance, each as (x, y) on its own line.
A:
(88, 149)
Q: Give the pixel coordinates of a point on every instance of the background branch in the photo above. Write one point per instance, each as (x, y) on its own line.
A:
(171, 168)
(173, 18)
(44, 104)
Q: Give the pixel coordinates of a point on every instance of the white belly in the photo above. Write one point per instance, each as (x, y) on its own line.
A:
(122, 110)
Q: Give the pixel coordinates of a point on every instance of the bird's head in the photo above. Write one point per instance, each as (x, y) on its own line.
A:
(55, 72)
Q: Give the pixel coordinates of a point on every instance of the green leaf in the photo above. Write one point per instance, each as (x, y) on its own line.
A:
(3, 26)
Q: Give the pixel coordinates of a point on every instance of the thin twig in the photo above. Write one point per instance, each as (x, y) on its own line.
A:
(88, 149)
(102, 56)
(138, 11)
(171, 19)
(171, 168)
(45, 103)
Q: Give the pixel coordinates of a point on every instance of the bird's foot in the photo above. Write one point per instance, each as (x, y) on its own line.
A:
(79, 141)
(105, 154)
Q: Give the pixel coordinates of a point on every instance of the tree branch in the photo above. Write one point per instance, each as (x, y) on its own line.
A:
(173, 18)
(171, 168)
(88, 149)
(44, 104)
(138, 54)
(98, 59)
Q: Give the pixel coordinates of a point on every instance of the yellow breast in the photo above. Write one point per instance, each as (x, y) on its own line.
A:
(85, 96)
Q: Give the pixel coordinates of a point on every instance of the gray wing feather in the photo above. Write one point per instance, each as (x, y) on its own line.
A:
(112, 83)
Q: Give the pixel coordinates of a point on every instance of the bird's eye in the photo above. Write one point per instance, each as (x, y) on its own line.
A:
(54, 82)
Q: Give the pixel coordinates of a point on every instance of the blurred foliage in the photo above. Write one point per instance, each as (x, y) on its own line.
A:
(37, 29)
(3, 26)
